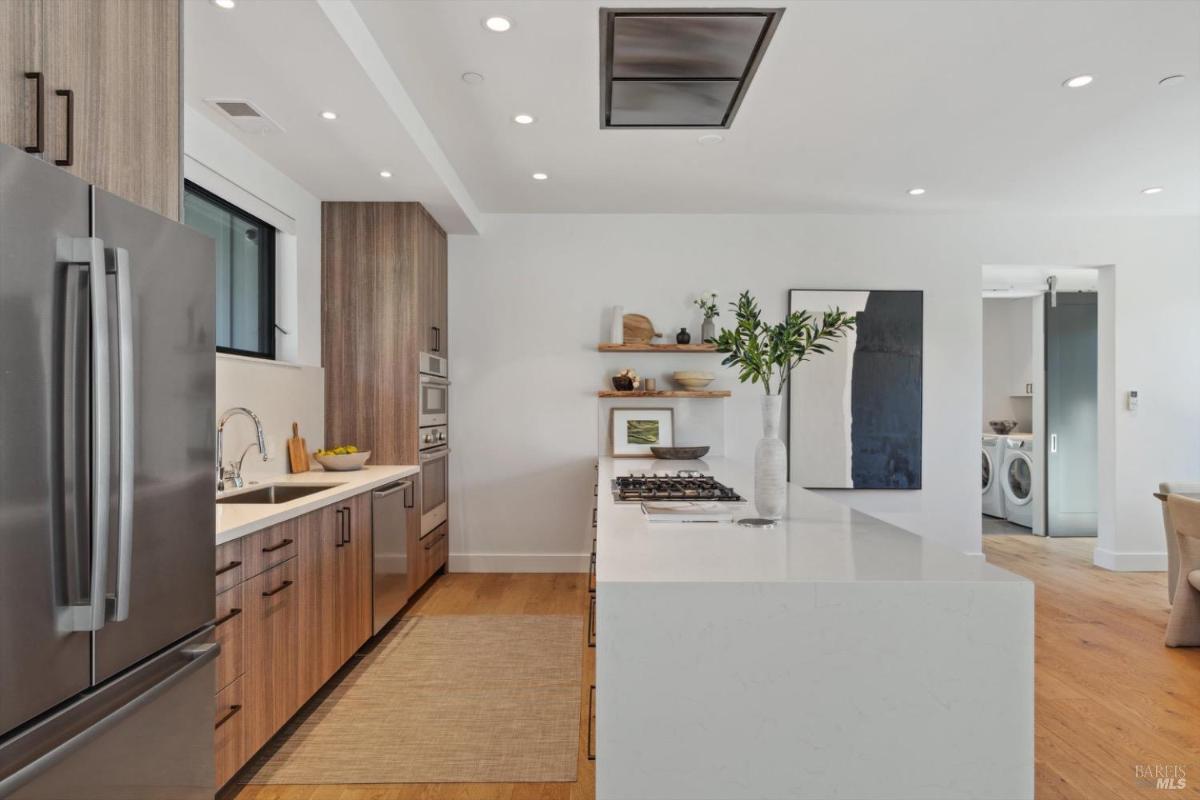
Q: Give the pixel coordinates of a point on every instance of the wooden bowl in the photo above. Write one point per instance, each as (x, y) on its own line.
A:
(680, 453)
(343, 463)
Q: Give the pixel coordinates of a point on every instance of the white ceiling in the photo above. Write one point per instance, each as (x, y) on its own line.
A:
(854, 103)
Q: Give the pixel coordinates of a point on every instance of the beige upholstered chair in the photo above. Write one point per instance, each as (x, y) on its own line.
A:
(1173, 487)
(1183, 627)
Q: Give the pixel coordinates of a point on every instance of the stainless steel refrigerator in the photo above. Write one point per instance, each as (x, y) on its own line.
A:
(107, 656)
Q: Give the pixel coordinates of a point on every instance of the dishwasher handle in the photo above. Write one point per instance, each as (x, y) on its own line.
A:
(391, 489)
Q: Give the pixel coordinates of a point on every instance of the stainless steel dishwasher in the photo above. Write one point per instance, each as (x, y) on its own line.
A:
(389, 522)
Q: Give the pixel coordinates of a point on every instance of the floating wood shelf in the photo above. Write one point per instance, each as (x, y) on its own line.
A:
(713, 393)
(657, 348)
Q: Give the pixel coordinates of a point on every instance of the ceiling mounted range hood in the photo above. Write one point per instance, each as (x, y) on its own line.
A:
(679, 68)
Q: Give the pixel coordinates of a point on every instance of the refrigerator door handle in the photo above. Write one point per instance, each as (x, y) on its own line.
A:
(89, 252)
(72, 740)
(118, 266)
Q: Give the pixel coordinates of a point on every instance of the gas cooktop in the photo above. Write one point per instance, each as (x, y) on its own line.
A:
(682, 485)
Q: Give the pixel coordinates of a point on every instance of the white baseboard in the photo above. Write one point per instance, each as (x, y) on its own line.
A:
(519, 562)
(1129, 562)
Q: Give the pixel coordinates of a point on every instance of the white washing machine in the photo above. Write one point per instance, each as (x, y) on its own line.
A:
(993, 462)
(1016, 478)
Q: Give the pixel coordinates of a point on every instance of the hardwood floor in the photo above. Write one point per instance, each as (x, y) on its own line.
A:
(467, 593)
(1109, 695)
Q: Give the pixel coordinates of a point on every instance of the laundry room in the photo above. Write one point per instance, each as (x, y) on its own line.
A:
(1039, 421)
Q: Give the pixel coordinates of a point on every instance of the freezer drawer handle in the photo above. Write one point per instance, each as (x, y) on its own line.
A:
(198, 656)
(70, 159)
(278, 589)
(230, 714)
(39, 113)
(229, 566)
(279, 546)
(233, 612)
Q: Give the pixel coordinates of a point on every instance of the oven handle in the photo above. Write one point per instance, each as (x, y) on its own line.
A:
(435, 380)
(434, 454)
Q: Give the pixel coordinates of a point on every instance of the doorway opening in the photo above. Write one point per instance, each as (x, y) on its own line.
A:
(1040, 424)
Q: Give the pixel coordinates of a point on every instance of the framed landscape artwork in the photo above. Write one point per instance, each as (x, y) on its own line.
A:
(854, 414)
(635, 430)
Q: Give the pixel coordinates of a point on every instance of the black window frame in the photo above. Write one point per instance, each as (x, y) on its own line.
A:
(266, 273)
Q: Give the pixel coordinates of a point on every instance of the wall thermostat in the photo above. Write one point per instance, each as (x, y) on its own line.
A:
(1131, 400)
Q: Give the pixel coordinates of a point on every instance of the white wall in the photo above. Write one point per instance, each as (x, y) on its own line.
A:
(1007, 360)
(293, 390)
(528, 303)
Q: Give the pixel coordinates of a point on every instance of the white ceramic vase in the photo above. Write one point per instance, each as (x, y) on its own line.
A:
(770, 463)
(708, 329)
(617, 330)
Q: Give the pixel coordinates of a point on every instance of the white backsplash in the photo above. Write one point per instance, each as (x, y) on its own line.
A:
(279, 394)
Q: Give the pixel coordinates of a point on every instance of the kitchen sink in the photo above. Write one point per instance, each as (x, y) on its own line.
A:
(280, 493)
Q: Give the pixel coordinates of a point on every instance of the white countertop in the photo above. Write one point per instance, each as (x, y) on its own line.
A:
(819, 540)
(237, 520)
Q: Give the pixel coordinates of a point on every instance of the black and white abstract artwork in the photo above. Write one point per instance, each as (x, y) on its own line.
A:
(854, 415)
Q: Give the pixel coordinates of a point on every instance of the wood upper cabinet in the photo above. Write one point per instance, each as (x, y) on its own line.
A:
(111, 92)
(383, 302)
(430, 242)
(21, 55)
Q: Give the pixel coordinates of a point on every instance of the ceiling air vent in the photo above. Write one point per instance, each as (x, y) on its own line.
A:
(245, 115)
(679, 68)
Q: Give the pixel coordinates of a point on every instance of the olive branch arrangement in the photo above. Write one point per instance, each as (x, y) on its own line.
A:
(765, 353)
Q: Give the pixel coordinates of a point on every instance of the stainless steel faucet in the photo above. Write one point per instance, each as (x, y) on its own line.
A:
(230, 477)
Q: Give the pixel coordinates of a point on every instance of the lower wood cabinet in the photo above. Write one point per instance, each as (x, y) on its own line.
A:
(301, 612)
(431, 553)
(273, 652)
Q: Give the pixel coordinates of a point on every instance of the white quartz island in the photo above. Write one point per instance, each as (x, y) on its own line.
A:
(833, 656)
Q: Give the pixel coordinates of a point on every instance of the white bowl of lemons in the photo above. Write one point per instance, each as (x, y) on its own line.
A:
(342, 459)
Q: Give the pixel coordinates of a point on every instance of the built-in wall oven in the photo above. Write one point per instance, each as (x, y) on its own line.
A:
(434, 441)
(434, 398)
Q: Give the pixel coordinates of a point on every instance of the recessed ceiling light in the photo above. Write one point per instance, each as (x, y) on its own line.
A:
(1172, 80)
(540, 176)
(385, 174)
(1152, 190)
(1078, 81)
(523, 119)
(711, 138)
(916, 191)
(226, 4)
(497, 24)
(328, 115)
(472, 78)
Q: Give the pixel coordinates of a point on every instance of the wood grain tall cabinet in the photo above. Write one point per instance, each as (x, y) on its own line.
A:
(384, 272)
(94, 87)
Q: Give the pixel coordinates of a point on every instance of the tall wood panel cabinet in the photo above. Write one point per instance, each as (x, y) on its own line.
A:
(383, 303)
(94, 87)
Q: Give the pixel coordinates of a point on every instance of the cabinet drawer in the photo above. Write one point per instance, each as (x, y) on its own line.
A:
(230, 564)
(435, 550)
(229, 738)
(230, 635)
(270, 546)
(272, 633)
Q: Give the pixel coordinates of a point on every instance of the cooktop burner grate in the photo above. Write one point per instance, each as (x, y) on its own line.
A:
(684, 485)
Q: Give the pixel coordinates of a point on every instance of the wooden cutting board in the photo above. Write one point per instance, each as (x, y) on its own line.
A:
(638, 329)
(297, 451)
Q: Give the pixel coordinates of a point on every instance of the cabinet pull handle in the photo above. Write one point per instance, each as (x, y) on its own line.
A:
(279, 546)
(346, 525)
(39, 113)
(592, 622)
(435, 541)
(591, 745)
(70, 159)
(233, 710)
(233, 612)
(341, 528)
(278, 589)
(229, 566)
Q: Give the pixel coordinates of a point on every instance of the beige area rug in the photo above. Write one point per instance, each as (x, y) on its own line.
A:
(443, 699)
